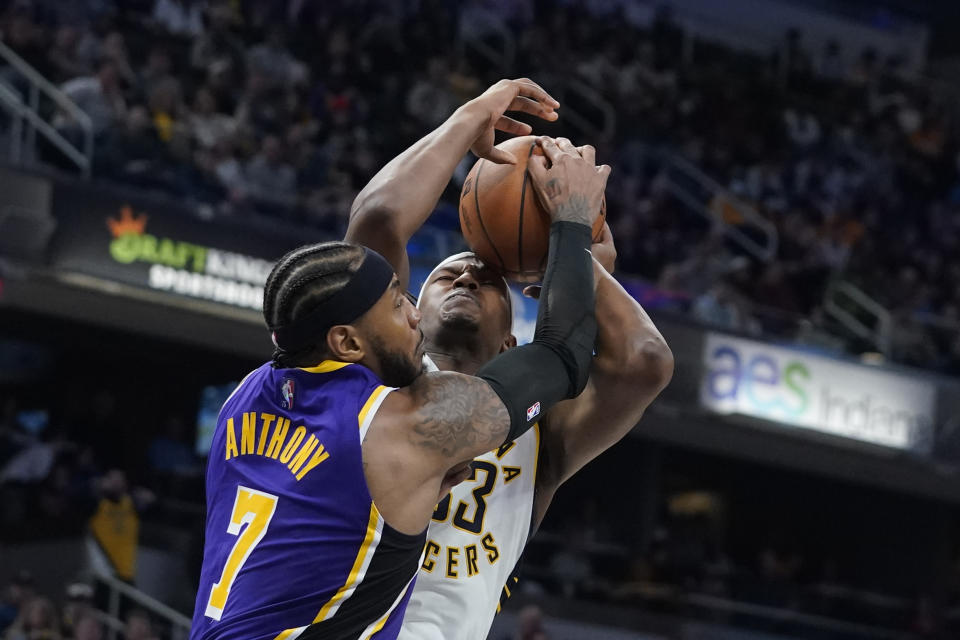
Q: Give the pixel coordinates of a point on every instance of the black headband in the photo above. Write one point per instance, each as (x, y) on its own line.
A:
(360, 293)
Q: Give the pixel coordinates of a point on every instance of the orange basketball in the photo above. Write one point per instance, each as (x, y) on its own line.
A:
(501, 217)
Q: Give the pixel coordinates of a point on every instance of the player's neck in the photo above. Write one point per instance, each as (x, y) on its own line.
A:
(462, 357)
(454, 362)
(461, 351)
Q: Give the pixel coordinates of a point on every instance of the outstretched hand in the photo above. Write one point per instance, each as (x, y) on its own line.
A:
(522, 95)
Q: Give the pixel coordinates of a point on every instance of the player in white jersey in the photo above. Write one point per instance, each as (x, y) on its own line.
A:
(480, 529)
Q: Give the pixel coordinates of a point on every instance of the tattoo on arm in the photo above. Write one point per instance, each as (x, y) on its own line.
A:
(552, 188)
(458, 416)
(573, 209)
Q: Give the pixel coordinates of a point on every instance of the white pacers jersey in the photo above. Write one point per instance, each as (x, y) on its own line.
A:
(476, 537)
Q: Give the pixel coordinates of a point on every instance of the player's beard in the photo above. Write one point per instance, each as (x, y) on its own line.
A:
(396, 368)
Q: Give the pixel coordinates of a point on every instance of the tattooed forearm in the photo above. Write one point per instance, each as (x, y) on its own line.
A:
(574, 208)
(458, 416)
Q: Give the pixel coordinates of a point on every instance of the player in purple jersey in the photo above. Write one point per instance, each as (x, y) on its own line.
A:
(327, 463)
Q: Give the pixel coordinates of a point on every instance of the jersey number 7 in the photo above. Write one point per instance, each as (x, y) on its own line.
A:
(254, 509)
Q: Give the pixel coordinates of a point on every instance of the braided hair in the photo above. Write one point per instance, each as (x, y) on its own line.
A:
(298, 285)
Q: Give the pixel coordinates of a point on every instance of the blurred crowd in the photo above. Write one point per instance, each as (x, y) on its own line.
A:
(27, 614)
(286, 108)
(688, 569)
(59, 481)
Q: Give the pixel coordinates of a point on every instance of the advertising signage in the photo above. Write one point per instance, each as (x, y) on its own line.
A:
(162, 247)
(818, 393)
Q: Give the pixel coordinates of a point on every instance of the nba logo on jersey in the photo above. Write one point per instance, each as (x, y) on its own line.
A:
(286, 390)
(533, 411)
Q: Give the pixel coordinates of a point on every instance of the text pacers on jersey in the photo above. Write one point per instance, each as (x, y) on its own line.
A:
(466, 556)
(299, 456)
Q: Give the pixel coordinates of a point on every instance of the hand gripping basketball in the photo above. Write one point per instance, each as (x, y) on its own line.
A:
(502, 217)
(571, 187)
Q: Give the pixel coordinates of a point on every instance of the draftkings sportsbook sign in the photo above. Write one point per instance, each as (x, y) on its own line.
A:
(162, 247)
(799, 389)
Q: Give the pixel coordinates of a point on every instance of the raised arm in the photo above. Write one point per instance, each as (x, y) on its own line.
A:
(446, 418)
(633, 364)
(399, 199)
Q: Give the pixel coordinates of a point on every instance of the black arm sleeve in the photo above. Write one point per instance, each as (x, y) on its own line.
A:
(555, 366)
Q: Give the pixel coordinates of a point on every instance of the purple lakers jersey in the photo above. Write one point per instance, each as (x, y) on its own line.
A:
(295, 547)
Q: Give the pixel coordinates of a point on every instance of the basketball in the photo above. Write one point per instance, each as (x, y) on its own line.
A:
(501, 217)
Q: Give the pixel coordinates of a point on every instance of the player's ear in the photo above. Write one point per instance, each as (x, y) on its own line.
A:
(509, 343)
(344, 343)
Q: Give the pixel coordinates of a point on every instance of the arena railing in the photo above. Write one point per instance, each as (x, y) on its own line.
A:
(29, 112)
(860, 314)
(667, 609)
(710, 199)
(590, 97)
(179, 624)
(501, 58)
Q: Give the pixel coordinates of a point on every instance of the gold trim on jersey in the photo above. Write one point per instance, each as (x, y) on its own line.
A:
(370, 403)
(290, 633)
(356, 576)
(352, 579)
(375, 628)
(382, 621)
(326, 366)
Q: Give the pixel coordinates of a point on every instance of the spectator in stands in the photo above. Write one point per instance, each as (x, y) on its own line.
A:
(227, 170)
(571, 566)
(207, 125)
(530, 624)
(133, 150)
(138, 626)
(63, 59)
(26, 37)
(273, 60)
(115, 50)
(179, 17)
(37, 621)
(268, 177)
(831, 65)
(157, 70)
(115, 526)
(36, 454)
(99, 96)
(78, 605)
(718, 308)
(166, 108)
(430, 99)
(15, 595)
(219, 45)
(88, 627)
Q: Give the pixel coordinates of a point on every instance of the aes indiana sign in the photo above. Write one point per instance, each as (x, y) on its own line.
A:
(814, 392)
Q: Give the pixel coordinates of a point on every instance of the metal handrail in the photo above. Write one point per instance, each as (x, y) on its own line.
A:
(595, 98)
(22, 112)
(715, 603)
(879, 335)
(764, 252)
(501, 59)
(40, 85)
(179, 623)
